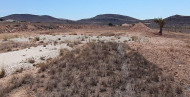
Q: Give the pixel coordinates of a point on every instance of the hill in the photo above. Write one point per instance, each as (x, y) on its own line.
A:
(34, 18)
(175, 20)
(178, 20)
(109, 18)
(104, 19)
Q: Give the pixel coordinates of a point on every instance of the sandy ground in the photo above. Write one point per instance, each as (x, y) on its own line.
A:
(15, 60)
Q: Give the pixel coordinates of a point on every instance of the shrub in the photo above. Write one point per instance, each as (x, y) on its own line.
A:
(31, 61)
(42, 66)
(19, 70)
(110, 24)
(2, 72)
(67, 41)
(77, 42)
(42, 58)
(41, 42)
(125, 41)
(55, 43)
(70, 45)
(37, 39)
(1, 19)
(9, 49)
(63, 51)
(134, 38)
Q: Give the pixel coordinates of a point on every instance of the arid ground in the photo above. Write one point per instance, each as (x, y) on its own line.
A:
(56, 60)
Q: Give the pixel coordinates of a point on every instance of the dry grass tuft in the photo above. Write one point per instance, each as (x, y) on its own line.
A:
(63, 51)
(31, 61)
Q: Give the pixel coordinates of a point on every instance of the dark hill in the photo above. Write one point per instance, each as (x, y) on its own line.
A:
(34, 18)
(178, 20)
(109, 18)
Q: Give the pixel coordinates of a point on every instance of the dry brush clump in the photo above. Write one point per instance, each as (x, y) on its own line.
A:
(12, 46)
(104, 69)
(2, 72)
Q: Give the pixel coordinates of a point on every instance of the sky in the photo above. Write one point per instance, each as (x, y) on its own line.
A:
(80, 9)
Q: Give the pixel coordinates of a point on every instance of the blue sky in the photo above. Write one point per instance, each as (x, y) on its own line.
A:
(79, 9)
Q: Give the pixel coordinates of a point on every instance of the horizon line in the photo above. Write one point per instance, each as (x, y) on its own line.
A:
(86, 18)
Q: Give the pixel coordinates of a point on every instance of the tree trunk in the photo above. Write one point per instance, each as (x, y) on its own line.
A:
(160, 31)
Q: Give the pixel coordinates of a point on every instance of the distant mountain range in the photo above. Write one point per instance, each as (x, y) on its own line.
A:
(99, 19)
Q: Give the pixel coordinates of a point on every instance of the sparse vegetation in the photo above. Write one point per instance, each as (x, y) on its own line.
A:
(15, 82)
(82, 73)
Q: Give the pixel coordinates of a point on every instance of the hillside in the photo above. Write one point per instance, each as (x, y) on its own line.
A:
(109, 18)
(178, 20)
(175, 20)
(34, 18)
